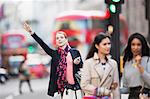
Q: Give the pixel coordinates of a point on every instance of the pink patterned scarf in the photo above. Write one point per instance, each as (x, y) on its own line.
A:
(61, 69)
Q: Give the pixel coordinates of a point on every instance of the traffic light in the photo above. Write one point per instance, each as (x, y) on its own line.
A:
(32, 48)
(112, 8)
(114, 5)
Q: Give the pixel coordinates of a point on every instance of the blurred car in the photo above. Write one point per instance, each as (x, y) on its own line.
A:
(3, 75)
(38, 70)
(36, 67)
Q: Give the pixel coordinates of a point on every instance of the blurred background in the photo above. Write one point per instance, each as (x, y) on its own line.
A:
(81, 19)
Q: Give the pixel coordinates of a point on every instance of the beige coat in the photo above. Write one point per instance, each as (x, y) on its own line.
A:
(94, 76)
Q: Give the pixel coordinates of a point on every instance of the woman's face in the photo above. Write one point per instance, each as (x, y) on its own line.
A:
(104, 46)
(61, 40)
(136, 47)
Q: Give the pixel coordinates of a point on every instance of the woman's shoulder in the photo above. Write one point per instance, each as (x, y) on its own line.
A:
(110, 59)
(90, 61)
(112, 62)
(146, 57)
(73, 50)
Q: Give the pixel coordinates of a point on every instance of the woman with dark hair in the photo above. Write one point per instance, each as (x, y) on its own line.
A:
(136, 75)
(100, 73)
(65, 64)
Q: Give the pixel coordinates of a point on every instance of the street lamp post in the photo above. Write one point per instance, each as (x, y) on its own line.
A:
(114, 7)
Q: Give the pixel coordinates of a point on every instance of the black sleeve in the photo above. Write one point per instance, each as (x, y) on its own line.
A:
(75, 53)
(45, 47)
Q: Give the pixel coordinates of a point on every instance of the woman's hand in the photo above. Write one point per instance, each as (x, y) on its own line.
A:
(102, 91)
(77, 60)
(114, 85)
(138, 59)
(27, 27)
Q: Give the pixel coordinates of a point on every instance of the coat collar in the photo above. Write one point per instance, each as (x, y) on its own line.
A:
(96, 57)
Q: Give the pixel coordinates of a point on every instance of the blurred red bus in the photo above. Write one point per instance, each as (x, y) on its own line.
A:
(82, 26)
(14, 50)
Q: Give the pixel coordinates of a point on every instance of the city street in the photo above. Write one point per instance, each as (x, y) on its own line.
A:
(29, 46)
(10, 90)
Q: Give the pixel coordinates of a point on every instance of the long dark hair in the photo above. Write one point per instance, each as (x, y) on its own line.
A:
(99, 37)
(128, 55)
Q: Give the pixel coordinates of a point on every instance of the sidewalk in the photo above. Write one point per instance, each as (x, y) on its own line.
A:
(124, 96)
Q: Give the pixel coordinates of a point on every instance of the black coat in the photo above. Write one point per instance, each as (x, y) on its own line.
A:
(54, 63)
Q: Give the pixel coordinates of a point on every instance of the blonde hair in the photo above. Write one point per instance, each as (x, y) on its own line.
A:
(62, 32)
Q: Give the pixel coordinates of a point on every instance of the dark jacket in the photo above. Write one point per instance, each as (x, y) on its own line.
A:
(54, 63)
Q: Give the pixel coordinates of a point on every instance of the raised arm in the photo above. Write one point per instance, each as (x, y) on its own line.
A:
(45, 47)
(27, 27)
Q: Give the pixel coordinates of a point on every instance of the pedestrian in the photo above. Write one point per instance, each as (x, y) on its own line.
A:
(24, 76)
(99, 77)
(136, 74)
(65, 64)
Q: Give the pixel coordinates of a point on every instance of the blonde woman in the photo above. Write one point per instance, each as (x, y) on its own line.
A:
(65, 63)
